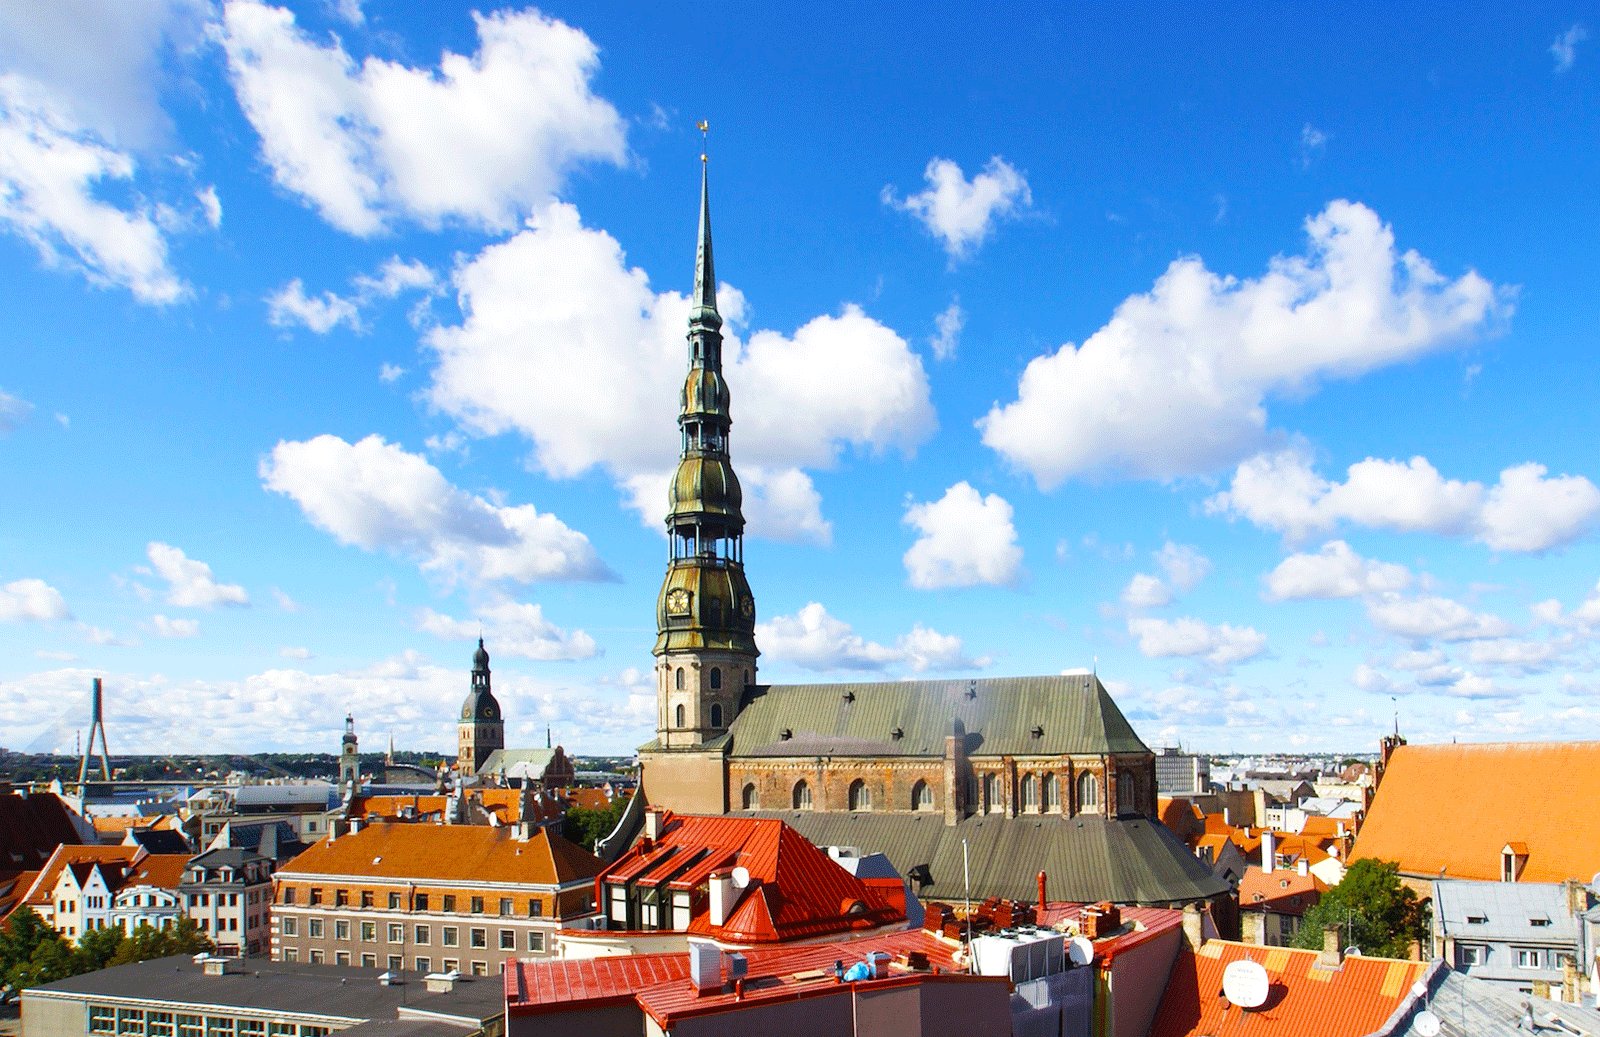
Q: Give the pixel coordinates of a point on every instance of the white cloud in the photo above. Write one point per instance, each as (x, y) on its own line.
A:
(1145, 592)
(33, 600)
(1182, 568)
(1370, 680)
(189, 580)
(14, 410)
(175, 628)
(1313, 142)
(560, 298)
(1433, 618)
(512, 628)
(51, 169)
(395, 276)
(1524, 511)
(1188, 637)
(961, 212)
(815, 640)
(1565, 48)
(284, 602)
(348, 10)
(210, 206)
(290, 305)
(1177, 382)
(482, 139)
(1335, 571)
(964, 539)
(295, 652)
(947, 330)
(390, 373)
(376, 496)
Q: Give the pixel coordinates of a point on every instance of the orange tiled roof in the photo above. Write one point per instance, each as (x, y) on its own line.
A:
(117, 824)
(1537, 793)
(590, 798)
(67, 856)
(164, 870)
(447, 853)
(1281, 892)
(13, 888)
(1302, 1001)
(504, 803)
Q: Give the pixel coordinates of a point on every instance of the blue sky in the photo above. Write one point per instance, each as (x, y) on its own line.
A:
(1244, 356)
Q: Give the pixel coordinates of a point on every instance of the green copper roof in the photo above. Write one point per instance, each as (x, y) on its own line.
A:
(705, 273)
(1018, 716)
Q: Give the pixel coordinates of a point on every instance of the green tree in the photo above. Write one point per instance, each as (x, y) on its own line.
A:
(586, 827)
(31, 952)
(148, 942)
(96, 948)
(1373, 909)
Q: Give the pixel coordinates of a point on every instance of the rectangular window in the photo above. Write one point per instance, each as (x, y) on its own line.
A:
(219, 1026)
(480, 968)
(314, 928)
(422, 901)
(535, 908)
(341, 957)
(369, 961)
(313, 1031)
(130, 1021)
(477, 905)
(395, 963)
(291, 954)
(369, 932)
(536, 942)
(1470, 955)
(479, 937)
(397, 932)
(252, 1027)
(278, 1028)
(366, 898)
(290, 927)
(341, 929)
(505, 907)
(394, 901)
(508, 939)
(341, 898)
(1528, 958)
(316, 895)
(420, 935)
(317, 956)
(158, 1024)
(449, 902)
(424, 965)
(452, 936)
(452, 965)
(102, 1019)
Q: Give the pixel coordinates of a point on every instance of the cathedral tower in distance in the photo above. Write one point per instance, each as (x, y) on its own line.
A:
(482, 728)
(705, 615)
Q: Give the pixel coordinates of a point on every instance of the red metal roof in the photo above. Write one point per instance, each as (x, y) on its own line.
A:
(1303, 1000)
(1139, 924)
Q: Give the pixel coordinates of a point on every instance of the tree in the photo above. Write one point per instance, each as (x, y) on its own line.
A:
(586, 827)
(1373, 909)
(31, 952)
(97, 947)
(148, 942)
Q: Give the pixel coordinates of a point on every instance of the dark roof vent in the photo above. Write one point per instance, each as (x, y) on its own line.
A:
(849, 696)
(897, 734)
(972, 689)
(1038, 731)
(786, 734)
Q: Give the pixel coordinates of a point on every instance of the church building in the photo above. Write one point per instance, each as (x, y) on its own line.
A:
(1030, 773)
(481, 752)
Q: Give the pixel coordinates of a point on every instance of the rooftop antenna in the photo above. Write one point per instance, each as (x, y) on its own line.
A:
(1396, 715)
(97, 724)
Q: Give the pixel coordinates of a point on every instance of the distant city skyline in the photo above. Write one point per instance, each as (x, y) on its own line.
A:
(1245, 359)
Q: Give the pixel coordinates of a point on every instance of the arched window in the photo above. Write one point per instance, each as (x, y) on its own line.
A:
(716, 714)
(1030, 793)
(921, 796)
(802, 795)
(1052, 794)
(747, 678)
(991, 794)
(751, 798)
(860, 795)
(678, 680)
(1127, 792)
(716, 678)
(1088, 791)
(679, 712)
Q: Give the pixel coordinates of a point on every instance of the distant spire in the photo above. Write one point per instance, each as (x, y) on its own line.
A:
(705, 273)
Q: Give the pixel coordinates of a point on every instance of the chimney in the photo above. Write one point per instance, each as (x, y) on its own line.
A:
(1226, 817)
(654, 821)
(1042, 900)
(1331, 957)
(1303, 865)
(705, 967)
(722, 895)
(355, 825)
(1193, 931)
(440, 982)
(1269, 850)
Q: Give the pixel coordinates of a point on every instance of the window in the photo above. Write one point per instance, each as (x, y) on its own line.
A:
(366, 898)
(191, 1025)
(452, 936)
(424, 965)
(316, 895)
(130, 1020)
(1088, 791)
(313, 928)
(921, 796)
(252, 1027)
(477, 905)
(992, 803)
(679, 712)
(1470, 955)
(480, 968)
(716, 713)
(395, 963)
(158, 1024)
(802, 796)
(369, 932)
(1030, 793)
(677, 681)
(341, 957)
(536, 942)
(449, 904)
(317, 956)
(341, 898)
(860, 795)
(508, 939)
(535, 908)
(716, 678)
(288, 894)
(750, 798)
(219, 1026)
(397, 932)
(422, 901)
(420, 935)
(1528, 958)
(102, 1019)
(451, 965)
(1477, 919)
(369, 961)
(277, 1028)
(505, 907)
(1127, 791)
(478, 937)
(1052, 794)
(290, 927)
(394, 903)
(341, 929)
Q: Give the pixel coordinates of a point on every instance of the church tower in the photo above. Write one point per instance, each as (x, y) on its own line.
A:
(705, 616)
(349, 760)
(482, 729)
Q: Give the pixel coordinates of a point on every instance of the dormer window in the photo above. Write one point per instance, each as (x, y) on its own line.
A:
(1513, 857)
(1477, 919)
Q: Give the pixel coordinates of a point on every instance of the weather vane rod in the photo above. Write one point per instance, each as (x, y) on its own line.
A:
(704, 128)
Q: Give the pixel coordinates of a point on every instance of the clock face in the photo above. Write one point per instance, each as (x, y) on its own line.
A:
(748, 607)
(488, 712)
(678, 601)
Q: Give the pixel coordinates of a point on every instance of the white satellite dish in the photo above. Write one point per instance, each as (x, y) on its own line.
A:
(741, 877)
(1352, 951)
(1419, 989)
(1245, 983)
(1426, 1025)
(1080, 950)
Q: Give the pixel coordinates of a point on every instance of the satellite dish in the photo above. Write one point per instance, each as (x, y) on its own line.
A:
(1245, 983)
(1352, 951)
(741, 877)
(1426, 1025)
(1080, 950)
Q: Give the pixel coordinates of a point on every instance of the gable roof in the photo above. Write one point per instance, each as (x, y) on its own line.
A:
(158, 869)
(1303, 1000)
(1284, 892)
(447, 853)
(1074, 714)
(31, 827)
(1509, 911)
(1086, 858)
(1495, 789)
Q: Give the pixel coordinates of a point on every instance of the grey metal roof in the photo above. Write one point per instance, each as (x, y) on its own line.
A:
(1125, 860)
(1467, 1007)
(999, 716)
(502, 760)
(316, 794)
(296, 988)
(1509, 911)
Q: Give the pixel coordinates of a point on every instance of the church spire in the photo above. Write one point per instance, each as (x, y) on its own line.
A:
(704, 313)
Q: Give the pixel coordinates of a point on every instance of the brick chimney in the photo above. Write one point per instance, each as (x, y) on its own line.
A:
(1331, 957)
(1193, 926)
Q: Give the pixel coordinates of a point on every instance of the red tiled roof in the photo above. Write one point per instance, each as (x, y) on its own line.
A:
(447, 853)
(1139, 924)
(70, 856)
(1284, 892)
(1538, 793)
(504, 803)
(1303, 1000)
(13, 887)
(164, 870)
